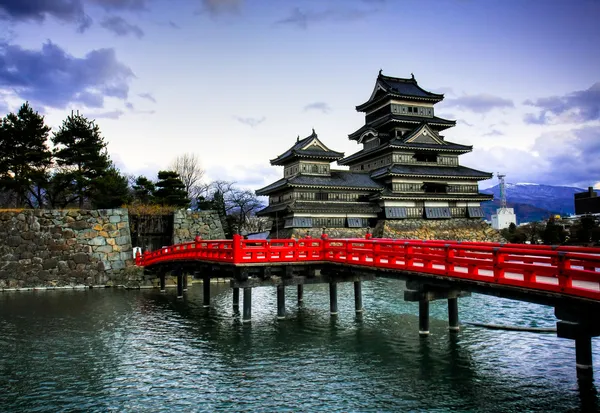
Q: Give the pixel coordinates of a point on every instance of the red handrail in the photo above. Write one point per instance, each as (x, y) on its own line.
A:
(569, 270)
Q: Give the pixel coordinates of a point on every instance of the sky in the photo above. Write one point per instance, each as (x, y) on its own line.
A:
(236, 81)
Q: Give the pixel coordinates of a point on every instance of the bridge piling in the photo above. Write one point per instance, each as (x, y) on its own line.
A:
(583, 357)
(206, 290)
(179, 274)
(162, 277)
(247, 316)
(453, 315)
(333, 305)
(300, 294)
(280, 302)
(358, 297)
(185, 282)
(424, 317)
(236, 298)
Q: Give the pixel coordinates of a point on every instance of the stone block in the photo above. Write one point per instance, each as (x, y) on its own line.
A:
(109, 227)
(14, 241)
(50, 263)
(97, 241)
(80, 258)
(68, 219)
(125, 255)
(114, 234)
(79, 225)
(115, 219)
(63, 267)
(104, 249)
(21, 217)
(111, 241)
(97, 227)
(123, 240)
(113, 256)
(122, 225)
(118, 265)
(117, 248)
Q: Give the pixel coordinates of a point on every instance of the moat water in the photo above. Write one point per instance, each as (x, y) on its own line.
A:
(138, 351)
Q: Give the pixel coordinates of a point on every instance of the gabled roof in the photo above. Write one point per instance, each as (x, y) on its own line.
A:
(387, 86)
(435, 122)
(387, 194)
(337, 180)
(426, 171)
(308, 148)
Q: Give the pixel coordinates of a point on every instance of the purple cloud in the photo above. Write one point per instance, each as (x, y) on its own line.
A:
(69, 11)
(578, 106)
(252, 122)
(121, 27)
(481, 103)
(320, 106)
(65, 78)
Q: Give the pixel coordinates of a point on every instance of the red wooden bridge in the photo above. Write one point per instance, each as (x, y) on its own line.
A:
(565, 277)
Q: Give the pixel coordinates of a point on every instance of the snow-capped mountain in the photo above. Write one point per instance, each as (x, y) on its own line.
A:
(533, 202)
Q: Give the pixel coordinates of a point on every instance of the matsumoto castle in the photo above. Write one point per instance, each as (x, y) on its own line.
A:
(406, 180)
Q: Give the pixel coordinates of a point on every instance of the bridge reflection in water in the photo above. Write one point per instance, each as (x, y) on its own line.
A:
(567, 278)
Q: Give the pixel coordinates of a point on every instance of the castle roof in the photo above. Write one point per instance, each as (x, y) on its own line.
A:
(397, 87)
(427, 171)
(308, 148)
(337, 180)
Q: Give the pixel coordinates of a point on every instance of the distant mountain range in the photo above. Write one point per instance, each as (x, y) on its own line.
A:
(533, 202)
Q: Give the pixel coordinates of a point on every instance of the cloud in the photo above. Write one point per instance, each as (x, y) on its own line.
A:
(556, 158)
(129, 105)
(578, 106)
(173, 25)
(112, 5)
(121, 27)
(147, 96)
(322, 106)
(494, 132)
(304, 18)
(114, 114)
(65, 78)
(462, 121)
(217, 7)
(480, 103)
(252, 122)
(68, 11)
(245, 176)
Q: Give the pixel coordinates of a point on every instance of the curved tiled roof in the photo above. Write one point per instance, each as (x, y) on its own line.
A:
(338, 179)
(430, 171)
(315, 152)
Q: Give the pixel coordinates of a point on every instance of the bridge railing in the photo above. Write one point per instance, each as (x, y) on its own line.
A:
(570, 270)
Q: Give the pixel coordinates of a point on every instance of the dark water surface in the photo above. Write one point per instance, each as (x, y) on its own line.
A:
(129, 351)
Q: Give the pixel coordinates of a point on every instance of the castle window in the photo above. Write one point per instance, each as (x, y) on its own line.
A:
(434, 188)
(322, 196)
(425, 157)
(315, 169)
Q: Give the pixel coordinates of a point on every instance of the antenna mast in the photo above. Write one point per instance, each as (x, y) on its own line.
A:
(502, 190)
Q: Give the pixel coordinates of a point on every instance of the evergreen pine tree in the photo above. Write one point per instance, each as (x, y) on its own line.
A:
(82, 151)
(170, 190)
(24, 156)
(143, 190)
(110, 190)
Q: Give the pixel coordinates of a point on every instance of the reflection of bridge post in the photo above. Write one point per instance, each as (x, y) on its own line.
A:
(247, 304)
(280, 302)
(206, 289)
(300, 294)
(185, 282)
(358, 296)
(333, 305)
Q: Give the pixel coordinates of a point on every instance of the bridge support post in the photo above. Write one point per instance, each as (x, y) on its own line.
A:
(423, 317)
(280, 302)
(247, 304)
(583, 357)
(300, 294)
(236, 298)
(453, 315)
(358, 297)
(185, 282)
(206, 290)
(179, 274)
(162, 277)
(333, 306)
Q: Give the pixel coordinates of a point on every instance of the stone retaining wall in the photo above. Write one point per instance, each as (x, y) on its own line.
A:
(188, 224)
(50, 248)
(458, 229)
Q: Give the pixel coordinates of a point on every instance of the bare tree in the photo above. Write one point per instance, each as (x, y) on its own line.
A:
(243, 203)
(190, 172)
